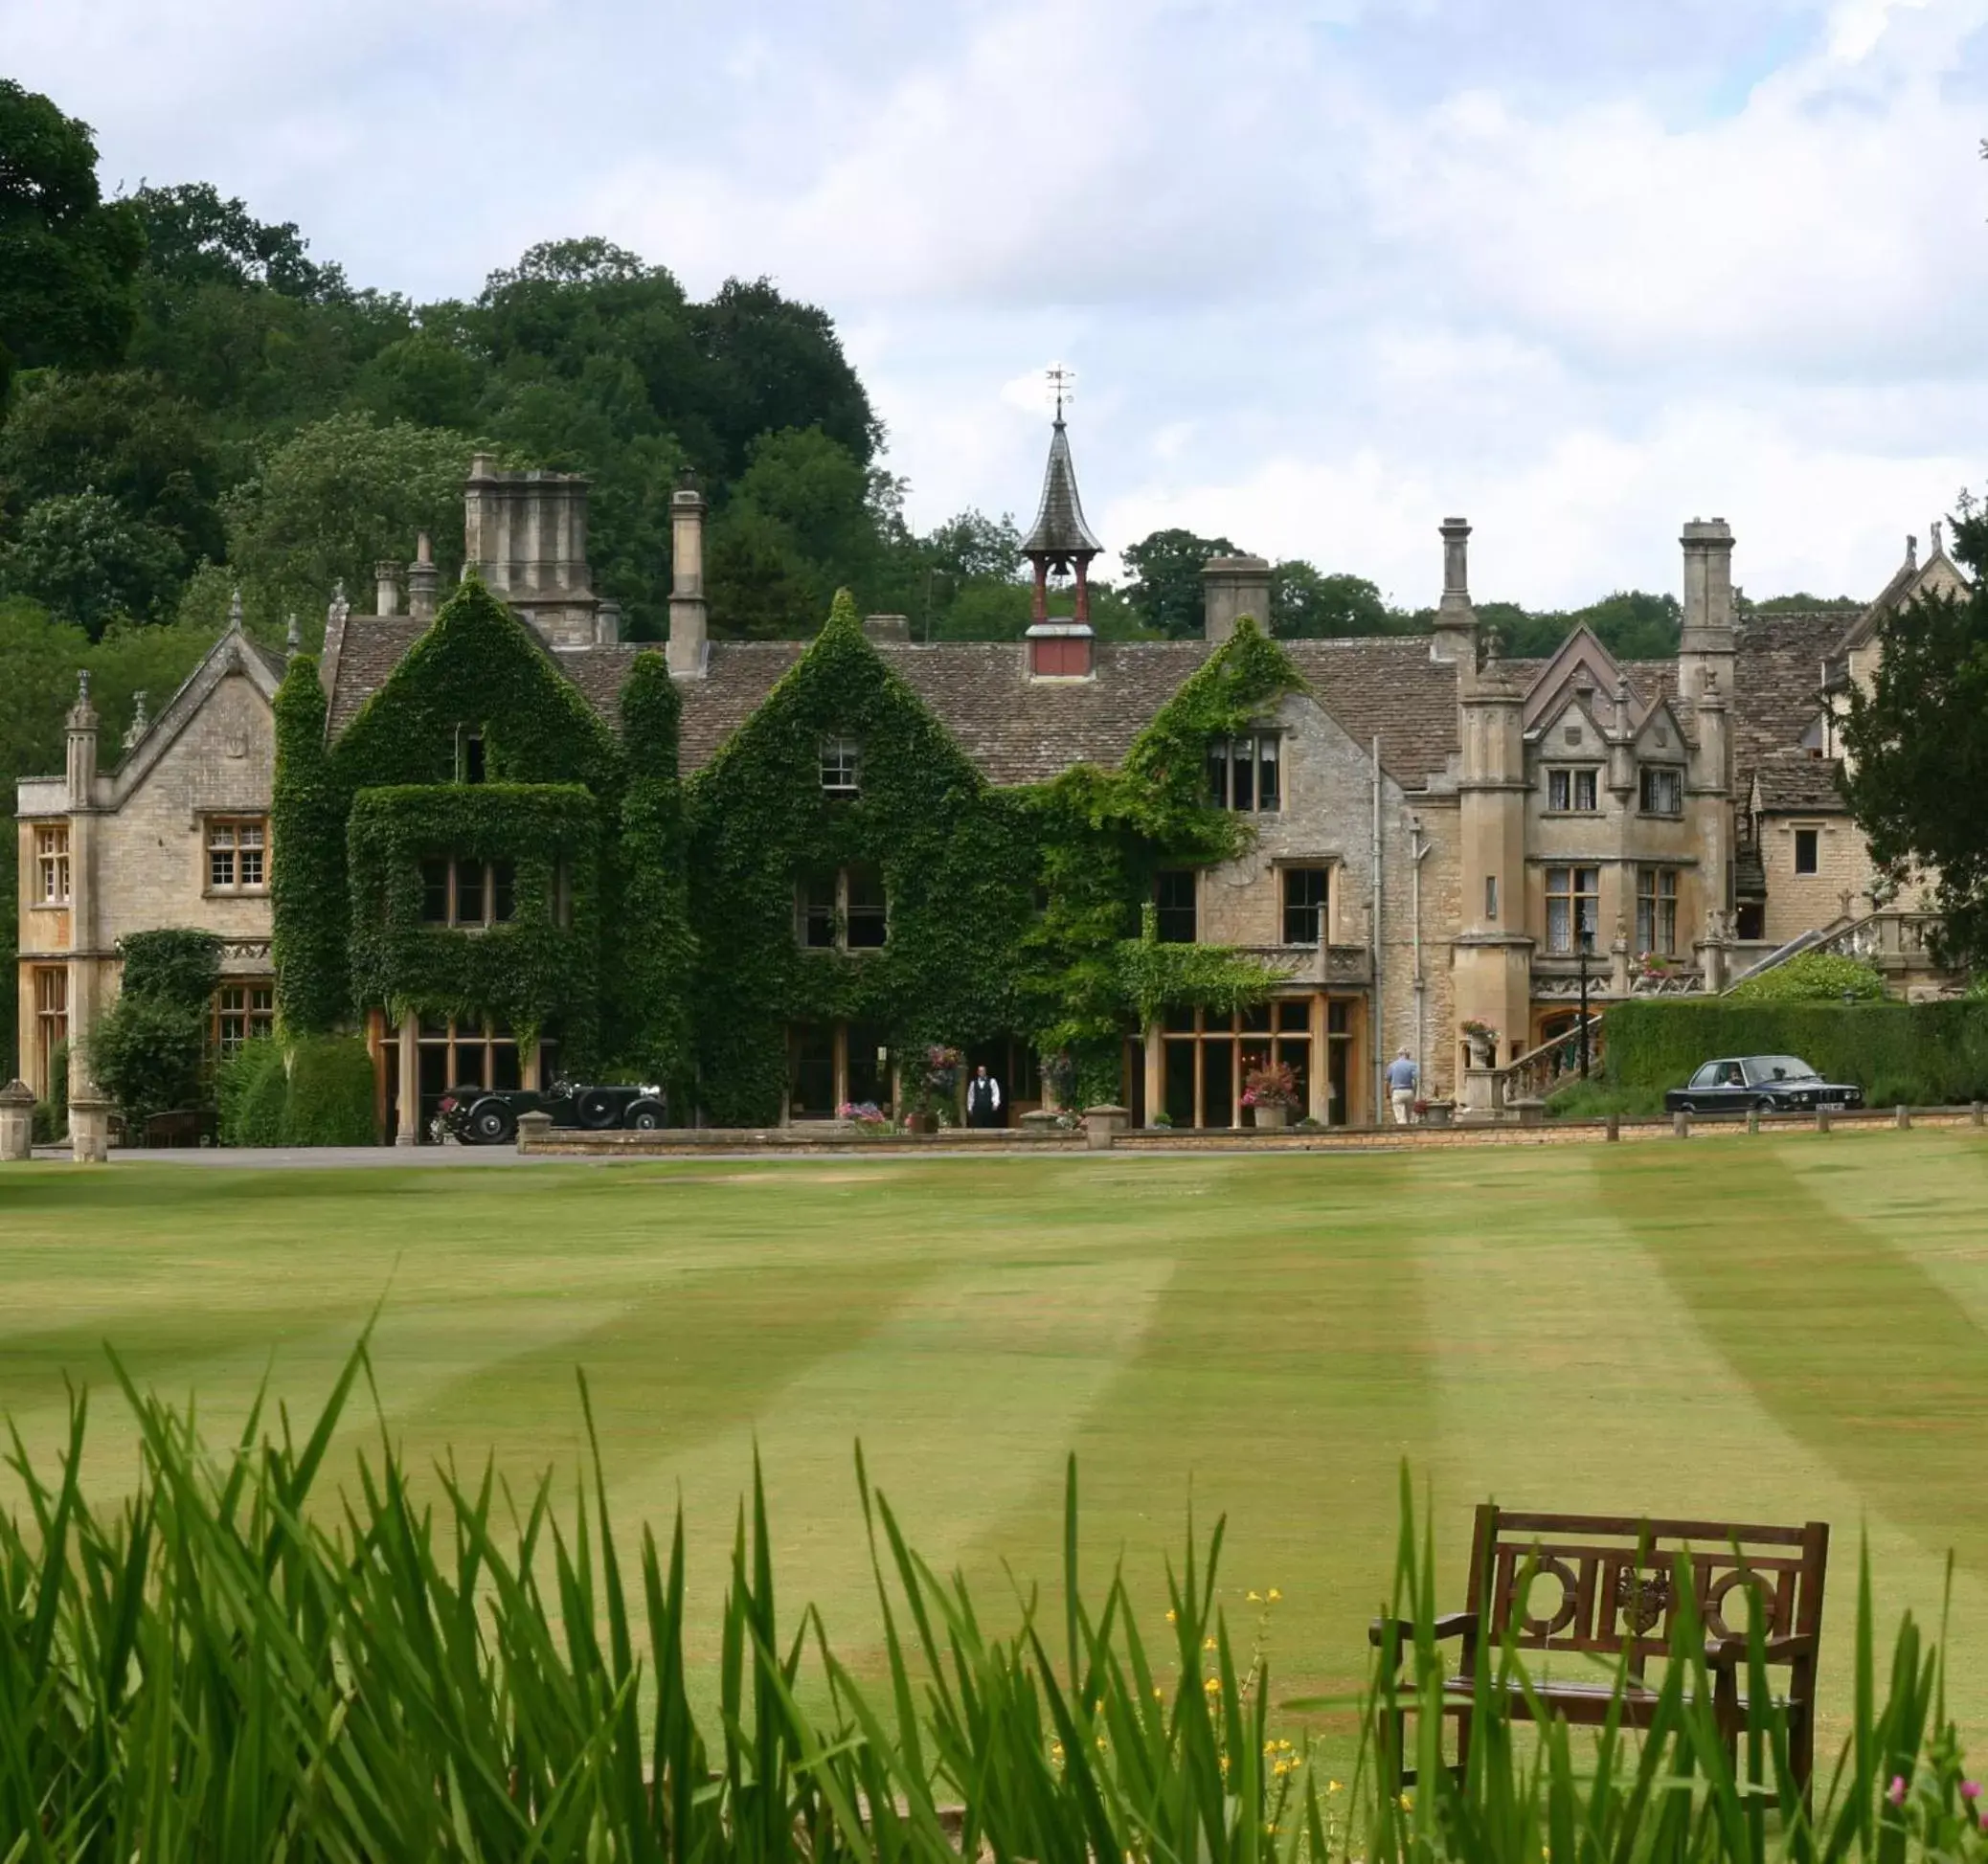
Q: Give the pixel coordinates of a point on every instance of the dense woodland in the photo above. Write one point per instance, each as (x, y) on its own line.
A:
(191, 402)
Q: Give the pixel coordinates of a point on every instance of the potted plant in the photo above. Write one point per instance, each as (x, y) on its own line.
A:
(1272, 1092)
(1482, 1041)
(865, 1115)
(937, 1087)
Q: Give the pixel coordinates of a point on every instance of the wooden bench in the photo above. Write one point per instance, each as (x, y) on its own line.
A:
(1605, 1586)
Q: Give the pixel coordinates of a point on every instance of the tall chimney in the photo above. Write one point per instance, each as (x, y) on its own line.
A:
(423, 581)
(83, 747)
(1706, 642)
(1454, 641)
(386, 598)
(1231, 588)
(689, 645)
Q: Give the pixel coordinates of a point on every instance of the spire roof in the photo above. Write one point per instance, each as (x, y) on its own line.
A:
(1059, 531)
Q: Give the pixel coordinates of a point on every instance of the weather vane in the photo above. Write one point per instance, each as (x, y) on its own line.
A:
(1062, 381)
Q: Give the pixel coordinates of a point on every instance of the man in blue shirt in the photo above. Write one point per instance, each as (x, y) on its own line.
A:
(1401, 1086)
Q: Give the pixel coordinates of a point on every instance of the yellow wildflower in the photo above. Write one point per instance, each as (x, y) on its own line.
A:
(1214, 1686)
(1334, 1787)
(1255, 1597)
(1407, 1801)
(1171, 1617)
(1274, 1595)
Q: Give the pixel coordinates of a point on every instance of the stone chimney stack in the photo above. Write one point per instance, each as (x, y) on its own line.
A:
(524, 534)
(83, 746)
(1706, 643)
(689, 645)
(1455, 637)
(1232, 587)
(386, 584)
(423, 581)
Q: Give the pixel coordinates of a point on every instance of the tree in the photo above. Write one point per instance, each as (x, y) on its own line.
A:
(194, 237)
(68, 258)
(1165, 587)
(1916, 767)
(87, 560)
(1306, 605)
(327, 506)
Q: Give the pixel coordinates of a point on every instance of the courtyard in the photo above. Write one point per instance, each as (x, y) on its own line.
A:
(1791, 1328)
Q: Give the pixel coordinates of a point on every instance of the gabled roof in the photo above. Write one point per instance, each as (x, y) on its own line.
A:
(1016, 729)
(233, 653)
(1059, 531)
(1938, 576)
(1581, 660)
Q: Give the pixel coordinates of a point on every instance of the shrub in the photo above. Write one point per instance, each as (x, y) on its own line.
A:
(1928, 1054)
(178, 965)
(51, 1115)
(145, 1054)
(330, 1102)
(251, 1085)
(1595, 1099)
(1812, 978)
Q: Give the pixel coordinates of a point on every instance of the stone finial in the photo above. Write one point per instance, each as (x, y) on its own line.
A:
(82, 685)
(1938, 545)
(139, 720)
(235, 613)
(340, 608)
(1911, 549)
(293, 635)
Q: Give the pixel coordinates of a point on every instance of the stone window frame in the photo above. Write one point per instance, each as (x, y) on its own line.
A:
(51, 1016)
(1263, 758)
(1582, 907)
(1647, 778)
(829, 919)
(1813, 831)
(1567, 778)
(1656, 912)
(51, 865)
(223, 836)
(1321, 909)
(243, 1010)
(495, 881)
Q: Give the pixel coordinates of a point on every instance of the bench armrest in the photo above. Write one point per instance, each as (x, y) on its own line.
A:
(1450, 1624)
(1722, 1652)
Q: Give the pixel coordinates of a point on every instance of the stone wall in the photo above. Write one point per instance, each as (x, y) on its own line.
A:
(1796, 903)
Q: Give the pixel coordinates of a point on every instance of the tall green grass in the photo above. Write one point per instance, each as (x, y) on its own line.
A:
(235, 1664)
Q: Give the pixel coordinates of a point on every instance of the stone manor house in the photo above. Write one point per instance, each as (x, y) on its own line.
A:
(1444, 843)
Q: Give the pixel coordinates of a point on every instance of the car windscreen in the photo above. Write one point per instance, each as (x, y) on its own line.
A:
(1778, 1068)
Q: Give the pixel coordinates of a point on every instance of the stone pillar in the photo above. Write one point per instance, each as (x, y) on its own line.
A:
(409, 1123)
(17, 1121)
(688, 648)
(84, 977)
(1156, 1071)
(1232, 587)
(1318, 1089)
(533, 1129)
(386, 587)
(1102, 1126)
(89, 1129)
(1492, 956)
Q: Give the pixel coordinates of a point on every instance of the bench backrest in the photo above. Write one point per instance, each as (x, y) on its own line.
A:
(1607, 1583)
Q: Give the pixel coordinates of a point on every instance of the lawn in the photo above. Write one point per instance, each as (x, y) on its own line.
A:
(1769, 1329)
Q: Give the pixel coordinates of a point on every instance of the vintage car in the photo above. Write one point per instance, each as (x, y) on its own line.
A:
(488, 1116)
(1767, 1084)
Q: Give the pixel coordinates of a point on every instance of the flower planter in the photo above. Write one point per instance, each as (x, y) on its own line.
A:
(921, 1123)
(1271, 1117)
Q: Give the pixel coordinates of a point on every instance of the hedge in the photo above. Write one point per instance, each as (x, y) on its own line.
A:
(330, 1102)
(1914, 1054)
(250, 1086)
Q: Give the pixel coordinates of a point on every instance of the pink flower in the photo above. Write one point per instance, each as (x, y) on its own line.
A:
(1969, 1789)
(1985, 1821)
(1896, 1791)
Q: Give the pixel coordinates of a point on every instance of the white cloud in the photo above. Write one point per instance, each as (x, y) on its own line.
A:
(1329, 270)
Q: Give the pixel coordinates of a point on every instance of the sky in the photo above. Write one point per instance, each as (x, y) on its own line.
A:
(1327, 270)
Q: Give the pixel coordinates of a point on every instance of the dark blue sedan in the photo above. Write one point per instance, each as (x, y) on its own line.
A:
(1768, 1084)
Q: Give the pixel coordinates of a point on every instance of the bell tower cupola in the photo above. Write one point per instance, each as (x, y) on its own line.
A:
(1060, 541)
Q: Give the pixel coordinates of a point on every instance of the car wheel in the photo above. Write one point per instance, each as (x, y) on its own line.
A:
(1766, 1104)
(1686, 1107)
(492, 1125)
(645, 1117)
(595, 1109)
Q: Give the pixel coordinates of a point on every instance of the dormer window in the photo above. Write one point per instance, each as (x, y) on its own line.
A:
(842, 766)
(469, 753)
(1243, 772)
(1573, 792)
(1662, 790)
